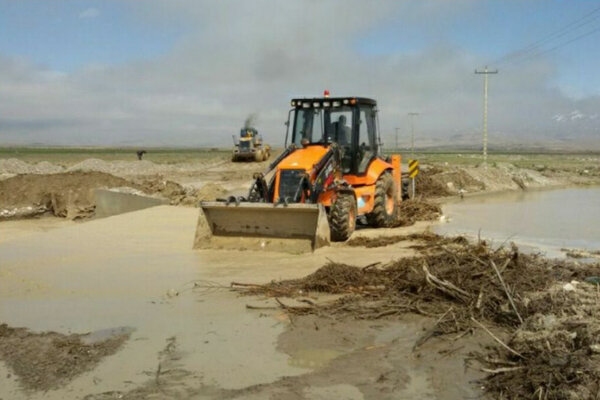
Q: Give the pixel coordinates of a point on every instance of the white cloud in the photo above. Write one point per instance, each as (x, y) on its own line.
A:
(90, 13)
(252, 57)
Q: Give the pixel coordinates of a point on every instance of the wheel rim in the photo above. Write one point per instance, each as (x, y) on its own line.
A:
(389, 203)
(352, 220)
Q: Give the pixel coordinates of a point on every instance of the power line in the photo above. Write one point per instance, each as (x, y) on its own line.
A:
(570, 27)
(560, 45)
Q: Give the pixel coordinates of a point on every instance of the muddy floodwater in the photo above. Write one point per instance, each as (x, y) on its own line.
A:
(546, 220)
(183, 332)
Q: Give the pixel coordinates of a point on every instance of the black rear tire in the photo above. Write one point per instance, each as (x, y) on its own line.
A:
(385, 209)
(342, 217)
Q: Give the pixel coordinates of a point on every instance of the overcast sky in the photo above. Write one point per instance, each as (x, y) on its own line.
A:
(188, 73)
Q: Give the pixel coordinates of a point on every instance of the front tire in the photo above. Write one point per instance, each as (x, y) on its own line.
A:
(385, 208)
(342, 217)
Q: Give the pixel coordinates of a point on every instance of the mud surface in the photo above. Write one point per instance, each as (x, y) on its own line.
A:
(48, 360)
(549, 315)
(63, 195)
(70, 194)
(341, 359)
(393, 313)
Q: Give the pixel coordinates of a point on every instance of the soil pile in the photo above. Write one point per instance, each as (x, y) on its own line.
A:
(553, 344)
(412, 211)
(173, 191)
(210, 191)
(14, 166)
(121, 168)
(429, 183)
(70, 194)
(64, 195)
(437, 182)
(44, 361)
(180, 195)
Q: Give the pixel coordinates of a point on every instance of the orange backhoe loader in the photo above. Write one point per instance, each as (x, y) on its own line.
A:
(331, 174)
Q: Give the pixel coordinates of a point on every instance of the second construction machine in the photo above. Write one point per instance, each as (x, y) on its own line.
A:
(331, 173)
(250, 147)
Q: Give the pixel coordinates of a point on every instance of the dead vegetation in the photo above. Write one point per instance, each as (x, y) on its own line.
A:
(412, 211)
(549, 345)
(429, 184)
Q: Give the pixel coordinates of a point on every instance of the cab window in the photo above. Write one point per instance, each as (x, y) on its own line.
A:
(367, 138)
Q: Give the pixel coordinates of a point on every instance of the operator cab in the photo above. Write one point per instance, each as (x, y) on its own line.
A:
(248, 132)
(348, 121)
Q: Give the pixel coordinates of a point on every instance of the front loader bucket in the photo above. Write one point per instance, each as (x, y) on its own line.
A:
(257, 226)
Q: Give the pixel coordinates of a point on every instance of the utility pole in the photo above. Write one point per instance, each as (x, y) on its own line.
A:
(397, 146)
(485, 74)
(412, 116)
(412, 133)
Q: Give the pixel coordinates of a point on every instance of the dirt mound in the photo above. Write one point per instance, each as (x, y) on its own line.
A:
(429, 184)
(412, 211)
(173, 191)
(435, 182)
(210, 191)
(14, 166)
(180, 195)
(44, 361)
(70, 194)
(554, 333)
(64, 195)
(120, 168)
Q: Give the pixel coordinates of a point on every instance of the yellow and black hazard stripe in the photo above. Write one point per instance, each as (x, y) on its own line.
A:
(413, 168)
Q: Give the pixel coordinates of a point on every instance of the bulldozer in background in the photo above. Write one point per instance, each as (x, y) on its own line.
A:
(249, 146)
(330, 175)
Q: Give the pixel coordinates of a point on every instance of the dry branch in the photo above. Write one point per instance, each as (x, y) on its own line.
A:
(444, 286)
(510, 299)
(496, 339)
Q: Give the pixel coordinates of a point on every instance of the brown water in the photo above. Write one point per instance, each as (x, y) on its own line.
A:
(547, 220)
(137, 272)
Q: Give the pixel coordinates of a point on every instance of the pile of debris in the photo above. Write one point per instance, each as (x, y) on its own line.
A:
(552, 348)
(412, 211)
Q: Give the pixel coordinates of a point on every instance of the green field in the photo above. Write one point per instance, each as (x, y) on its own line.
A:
(541, 160)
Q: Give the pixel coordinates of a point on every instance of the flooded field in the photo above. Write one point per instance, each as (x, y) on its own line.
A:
(123, 307)
(550, 220)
